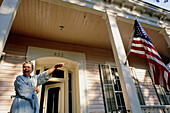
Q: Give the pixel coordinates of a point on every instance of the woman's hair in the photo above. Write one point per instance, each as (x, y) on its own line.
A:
(28, 62)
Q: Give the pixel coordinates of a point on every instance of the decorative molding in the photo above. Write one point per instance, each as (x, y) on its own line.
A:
(8, 11)
(129, 9)
(166, 33)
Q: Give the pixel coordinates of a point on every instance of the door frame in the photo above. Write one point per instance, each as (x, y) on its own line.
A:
(77, 61)
(61, 97)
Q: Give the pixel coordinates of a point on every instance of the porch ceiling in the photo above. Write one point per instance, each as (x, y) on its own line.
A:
(42, 20)
(37, 19)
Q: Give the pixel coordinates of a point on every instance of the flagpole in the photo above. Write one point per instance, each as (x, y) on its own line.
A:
(128, 52)
(129, 47)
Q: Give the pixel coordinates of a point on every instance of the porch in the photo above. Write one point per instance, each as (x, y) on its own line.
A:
(150, 109)
(69, 27)
(155, 108)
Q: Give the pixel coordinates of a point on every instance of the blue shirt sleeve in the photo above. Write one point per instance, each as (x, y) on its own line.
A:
(43, 78)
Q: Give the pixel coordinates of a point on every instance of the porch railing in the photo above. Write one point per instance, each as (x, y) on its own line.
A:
(155, 108)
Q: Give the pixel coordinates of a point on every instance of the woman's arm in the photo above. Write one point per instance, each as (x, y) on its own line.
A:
(51, 70)
(46, 75)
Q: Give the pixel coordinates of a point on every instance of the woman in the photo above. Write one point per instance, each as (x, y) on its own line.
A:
(26, 87)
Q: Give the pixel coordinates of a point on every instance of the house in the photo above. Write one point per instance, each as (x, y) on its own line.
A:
(92, 37)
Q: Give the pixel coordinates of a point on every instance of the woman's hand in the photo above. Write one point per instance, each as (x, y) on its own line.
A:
(36, 89)
(58, 65)
(54, 68)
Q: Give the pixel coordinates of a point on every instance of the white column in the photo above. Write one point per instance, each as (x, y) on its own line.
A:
(128, 87)
(7, 14)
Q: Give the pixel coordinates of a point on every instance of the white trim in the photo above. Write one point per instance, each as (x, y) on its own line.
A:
(61, 97)
(99, 7)
(128, 88)
(166, 33)
(8, 11)
(78, 61)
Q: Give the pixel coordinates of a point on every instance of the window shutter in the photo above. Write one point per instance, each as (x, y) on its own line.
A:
(162, 95)
(107, 84)
(137, 86)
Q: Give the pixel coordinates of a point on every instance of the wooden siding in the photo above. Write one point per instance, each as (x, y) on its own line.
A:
(141, 69)
(16, 48)
(147, 88)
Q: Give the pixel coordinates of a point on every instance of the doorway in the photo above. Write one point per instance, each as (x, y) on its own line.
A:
(54, 98)
(59, 94)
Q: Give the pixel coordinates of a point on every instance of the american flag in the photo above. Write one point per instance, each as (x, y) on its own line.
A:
(142, 46)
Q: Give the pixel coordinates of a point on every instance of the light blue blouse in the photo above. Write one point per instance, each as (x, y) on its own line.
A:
(26, 99)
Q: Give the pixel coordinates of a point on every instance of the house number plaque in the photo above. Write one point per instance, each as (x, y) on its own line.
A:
(58, 54)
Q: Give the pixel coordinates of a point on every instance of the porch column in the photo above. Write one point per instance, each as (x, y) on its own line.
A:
(166, 33)
(128, 87)
(7, 14)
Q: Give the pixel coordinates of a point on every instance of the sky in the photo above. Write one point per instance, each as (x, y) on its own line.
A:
(160, 4)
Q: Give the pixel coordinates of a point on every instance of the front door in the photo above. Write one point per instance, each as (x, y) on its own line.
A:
(61, 93)
(54, 98)
(56, 94)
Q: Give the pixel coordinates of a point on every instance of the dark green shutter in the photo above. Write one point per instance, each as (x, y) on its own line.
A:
(108, 88)
(162, 95)
(137, 86)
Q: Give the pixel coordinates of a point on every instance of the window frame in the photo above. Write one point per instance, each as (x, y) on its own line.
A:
(137, 86)
(113, 85)
(164, 98)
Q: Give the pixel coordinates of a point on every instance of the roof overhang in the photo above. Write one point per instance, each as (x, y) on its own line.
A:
(83, 23)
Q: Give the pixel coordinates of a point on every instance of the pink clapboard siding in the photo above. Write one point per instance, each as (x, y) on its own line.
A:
(16, 48)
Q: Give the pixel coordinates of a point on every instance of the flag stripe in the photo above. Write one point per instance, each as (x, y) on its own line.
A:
(145, 43)
(138, 51)
(138, 55)
(146, 49)
(158, 63)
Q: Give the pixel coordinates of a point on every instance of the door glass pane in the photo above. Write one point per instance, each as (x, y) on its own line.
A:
(37, 72)
(58, 73)
(42, 95)
(53, 99)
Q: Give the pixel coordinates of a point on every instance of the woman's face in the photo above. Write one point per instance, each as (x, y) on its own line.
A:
(27, 69)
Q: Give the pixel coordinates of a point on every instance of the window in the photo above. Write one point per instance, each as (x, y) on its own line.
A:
(163, 94)
(113, 94)
(137, 86)
(168, 95)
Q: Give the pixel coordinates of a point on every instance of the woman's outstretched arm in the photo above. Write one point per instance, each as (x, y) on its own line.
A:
(51, 70)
